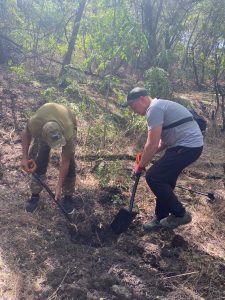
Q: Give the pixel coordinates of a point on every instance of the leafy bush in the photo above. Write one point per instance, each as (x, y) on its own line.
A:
(101, 132)
(49, 93)
(111, 174)
(157, 83)
(73, 90)
(19, 70)
(118, 199)
(108, 83)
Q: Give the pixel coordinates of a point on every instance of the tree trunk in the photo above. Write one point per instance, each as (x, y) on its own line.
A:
(215, 81)
(71, 46)
(195, 68)
(221, 90)
(151, 16)
(223, 112)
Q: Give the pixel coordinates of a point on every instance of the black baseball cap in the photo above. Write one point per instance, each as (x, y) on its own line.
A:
(134, 94)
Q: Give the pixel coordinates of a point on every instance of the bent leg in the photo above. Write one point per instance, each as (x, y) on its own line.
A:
(69, 182)
(39, 151)
(162, 177)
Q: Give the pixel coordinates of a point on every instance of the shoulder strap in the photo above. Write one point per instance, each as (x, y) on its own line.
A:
(175, 124)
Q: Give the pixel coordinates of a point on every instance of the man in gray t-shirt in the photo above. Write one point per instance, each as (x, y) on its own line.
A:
(172, 127)
(165, 112)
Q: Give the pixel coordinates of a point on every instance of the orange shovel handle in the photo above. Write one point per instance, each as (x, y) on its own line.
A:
(138, 157)
(32, 166)
(137, 162)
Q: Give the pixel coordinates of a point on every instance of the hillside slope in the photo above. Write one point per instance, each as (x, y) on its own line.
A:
(41, 259)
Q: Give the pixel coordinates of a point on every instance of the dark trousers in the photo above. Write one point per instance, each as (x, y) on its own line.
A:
(42, 159)
(162, 178)
(40, 152)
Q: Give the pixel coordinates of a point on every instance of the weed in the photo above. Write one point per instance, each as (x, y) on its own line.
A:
(73, 90)
(20, 71)
(29, 114)
(112, 173)
(49, 93)
(118, 199)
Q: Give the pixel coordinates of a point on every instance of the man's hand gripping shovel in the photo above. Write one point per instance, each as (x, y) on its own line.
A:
(124, 217)
(31, 170)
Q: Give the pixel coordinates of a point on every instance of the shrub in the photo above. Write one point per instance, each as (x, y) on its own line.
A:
(49, 93)
(112, 174)
(108, 83)
(157, 83)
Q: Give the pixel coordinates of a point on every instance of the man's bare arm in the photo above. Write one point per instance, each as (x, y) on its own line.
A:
(151, 145)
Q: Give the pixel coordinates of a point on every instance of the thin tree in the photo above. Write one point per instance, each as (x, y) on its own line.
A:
(72, 42)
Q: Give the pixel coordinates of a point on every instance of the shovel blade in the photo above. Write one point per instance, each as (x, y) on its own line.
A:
(122, 221)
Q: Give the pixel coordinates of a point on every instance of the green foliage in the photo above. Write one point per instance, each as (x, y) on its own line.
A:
(157, 83)
(62, 100)
(74, 107)
(196, 257)
(118, 34)
(103, 174)
(108, 83)
(137, 124)
(111, 174)
(63, 81)
(118, 199)
(97, 131)
(165, 58)
(73, 90)
(109, 36)
(29, 114)
(49, 93)
(19, 70)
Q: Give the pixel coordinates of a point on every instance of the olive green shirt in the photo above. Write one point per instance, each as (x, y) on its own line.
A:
(60, 114)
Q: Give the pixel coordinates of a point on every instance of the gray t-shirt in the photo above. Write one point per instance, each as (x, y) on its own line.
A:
(165, 112)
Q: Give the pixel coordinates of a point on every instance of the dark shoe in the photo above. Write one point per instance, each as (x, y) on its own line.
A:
(173, 222)
(67, 204)
(153, 225)
(32, 203)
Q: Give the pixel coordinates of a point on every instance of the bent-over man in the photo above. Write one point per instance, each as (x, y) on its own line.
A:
(52, 126)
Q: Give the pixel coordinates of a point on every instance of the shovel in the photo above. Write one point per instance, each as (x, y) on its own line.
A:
(124, 217)
(210, 196)
(31, 170)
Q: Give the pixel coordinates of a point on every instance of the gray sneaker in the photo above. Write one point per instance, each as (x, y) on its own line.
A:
(173, 222)
(153, 225)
